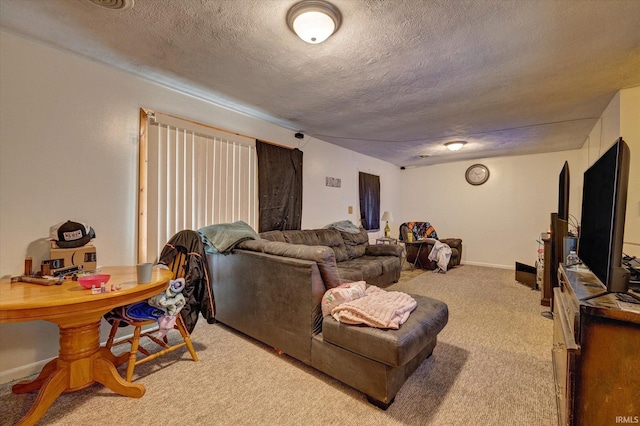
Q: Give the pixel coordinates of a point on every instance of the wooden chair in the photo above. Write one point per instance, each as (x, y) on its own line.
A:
(177, 266)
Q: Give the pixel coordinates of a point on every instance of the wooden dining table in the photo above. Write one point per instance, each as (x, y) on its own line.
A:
(81, 360)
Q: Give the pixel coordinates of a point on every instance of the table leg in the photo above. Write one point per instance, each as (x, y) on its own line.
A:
(80, 363)
(51, 389)
(417, 259)
(115, 360)
(27, 386)
(105, 372)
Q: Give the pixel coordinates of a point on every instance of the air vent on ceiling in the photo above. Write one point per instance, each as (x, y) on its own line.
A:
(114, 4)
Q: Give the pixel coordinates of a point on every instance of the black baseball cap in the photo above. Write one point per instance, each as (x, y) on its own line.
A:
(71, 234)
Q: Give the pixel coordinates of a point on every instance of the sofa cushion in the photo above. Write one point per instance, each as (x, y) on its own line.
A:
(356, 244)
(388, 263)
(273, 236)
(332, 238)
(370, 268)
(384, 250)
(306, 237)
(349, 274)
(322, 255)
(391, 347)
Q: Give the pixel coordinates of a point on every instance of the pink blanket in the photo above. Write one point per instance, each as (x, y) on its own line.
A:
(378, 308)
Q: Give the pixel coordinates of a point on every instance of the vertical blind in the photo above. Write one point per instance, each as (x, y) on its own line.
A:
(196, 176)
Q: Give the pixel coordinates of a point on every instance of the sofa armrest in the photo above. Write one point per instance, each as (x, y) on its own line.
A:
(384, 250)
(455, 243)
(274, 299)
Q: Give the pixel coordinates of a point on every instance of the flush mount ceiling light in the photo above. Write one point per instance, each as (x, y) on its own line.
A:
(455, 145)
(114, 4)
(314, 21)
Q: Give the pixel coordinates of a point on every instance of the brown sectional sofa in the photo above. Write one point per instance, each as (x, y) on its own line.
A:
(356, 260)
(271, 289)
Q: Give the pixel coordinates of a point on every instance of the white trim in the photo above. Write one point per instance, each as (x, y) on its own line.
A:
(23, 371)
(488, 265)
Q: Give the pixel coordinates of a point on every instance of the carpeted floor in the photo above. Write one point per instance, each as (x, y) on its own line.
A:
(492, 366)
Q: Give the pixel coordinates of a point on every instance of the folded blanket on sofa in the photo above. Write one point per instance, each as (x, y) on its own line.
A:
(223, 237)
(378, 308)
(344, 226)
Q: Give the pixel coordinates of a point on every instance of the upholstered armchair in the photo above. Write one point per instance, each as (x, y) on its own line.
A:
(423, 238)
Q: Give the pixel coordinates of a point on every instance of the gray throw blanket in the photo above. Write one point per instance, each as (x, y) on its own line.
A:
(344, 226)
(223, 237)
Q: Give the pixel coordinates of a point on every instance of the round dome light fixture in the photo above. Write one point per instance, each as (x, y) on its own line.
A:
(455, 145)
(114, 4)
(314, 21)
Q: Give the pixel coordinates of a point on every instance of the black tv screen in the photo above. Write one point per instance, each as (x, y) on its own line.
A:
(563, 193)
(604, 202)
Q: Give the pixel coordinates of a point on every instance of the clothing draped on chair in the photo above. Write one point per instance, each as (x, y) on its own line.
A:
(197, 291)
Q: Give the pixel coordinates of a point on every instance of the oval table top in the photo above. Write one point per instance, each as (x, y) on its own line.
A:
(20, 301)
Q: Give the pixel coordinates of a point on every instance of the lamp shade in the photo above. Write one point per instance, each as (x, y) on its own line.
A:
(314, 21)
(387, 217)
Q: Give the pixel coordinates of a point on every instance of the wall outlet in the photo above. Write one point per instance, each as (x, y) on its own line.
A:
(350, 209)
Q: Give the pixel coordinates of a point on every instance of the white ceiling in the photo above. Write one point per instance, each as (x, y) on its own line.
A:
(398, 79)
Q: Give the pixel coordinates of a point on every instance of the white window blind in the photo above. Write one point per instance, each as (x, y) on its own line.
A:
(196, 176)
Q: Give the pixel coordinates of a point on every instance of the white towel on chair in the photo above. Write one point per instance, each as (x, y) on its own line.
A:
(440, 253)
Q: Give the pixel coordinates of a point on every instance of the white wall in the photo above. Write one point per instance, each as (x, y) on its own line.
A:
(605, 132)
(68, 150)
(500, 220)
(630, 131)
(622, 118)
(320, 163)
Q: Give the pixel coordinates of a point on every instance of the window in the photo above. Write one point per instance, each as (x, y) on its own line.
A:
(369, 186)
(280, 187)
(191, 175)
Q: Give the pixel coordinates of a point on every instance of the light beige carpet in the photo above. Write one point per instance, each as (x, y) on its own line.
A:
(492, 366)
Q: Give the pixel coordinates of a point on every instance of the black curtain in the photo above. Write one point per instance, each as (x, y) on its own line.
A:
(370, 201)
(279, 187)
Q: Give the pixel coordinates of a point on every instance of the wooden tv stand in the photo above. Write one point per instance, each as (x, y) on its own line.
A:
(596, 353)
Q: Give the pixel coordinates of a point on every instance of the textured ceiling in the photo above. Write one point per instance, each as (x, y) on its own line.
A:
(398, 79)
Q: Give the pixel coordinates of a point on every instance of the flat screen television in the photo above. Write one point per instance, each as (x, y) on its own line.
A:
(604, 202)
(563, 193)
(559, 225)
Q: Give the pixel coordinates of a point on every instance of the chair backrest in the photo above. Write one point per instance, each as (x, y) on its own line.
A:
(184, 254)
(178, 263)
(420, 230)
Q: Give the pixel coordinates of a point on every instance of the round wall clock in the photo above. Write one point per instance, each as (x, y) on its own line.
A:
(477, 174)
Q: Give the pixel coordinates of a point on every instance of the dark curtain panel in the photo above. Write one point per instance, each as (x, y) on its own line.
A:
(279, 187)
(370, 201)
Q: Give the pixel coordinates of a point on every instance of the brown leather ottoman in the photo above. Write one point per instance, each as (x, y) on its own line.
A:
(399, 351)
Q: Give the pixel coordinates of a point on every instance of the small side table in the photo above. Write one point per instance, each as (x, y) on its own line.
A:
(387, 240)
